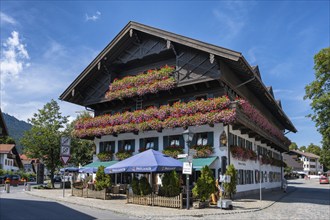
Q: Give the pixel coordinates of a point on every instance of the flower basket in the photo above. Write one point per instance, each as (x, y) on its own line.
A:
(105, 156)
(122, 155)
(173, 151)
(203, 151)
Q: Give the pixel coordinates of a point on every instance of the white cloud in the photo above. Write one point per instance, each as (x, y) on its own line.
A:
(4, 18)
(230, 25)
(14, 57)
(94, 17)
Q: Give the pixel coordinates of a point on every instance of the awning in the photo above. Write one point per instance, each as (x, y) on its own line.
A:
(199, 163)
(92, 167)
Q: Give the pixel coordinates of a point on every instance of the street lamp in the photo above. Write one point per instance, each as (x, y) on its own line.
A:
(188, 136)
(260, 160)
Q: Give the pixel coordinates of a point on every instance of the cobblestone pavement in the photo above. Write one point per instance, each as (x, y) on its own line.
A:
(305, 199)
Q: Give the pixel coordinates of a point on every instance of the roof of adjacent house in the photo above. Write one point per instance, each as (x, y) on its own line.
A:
(6, 148)
(306, 154)
(291, 162)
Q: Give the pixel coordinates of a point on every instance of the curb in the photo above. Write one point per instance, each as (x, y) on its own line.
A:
(174, 216)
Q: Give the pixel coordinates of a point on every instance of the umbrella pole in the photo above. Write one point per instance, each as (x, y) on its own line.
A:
(152, 190)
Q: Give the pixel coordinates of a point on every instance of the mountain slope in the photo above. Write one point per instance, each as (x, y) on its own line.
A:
(16, 129)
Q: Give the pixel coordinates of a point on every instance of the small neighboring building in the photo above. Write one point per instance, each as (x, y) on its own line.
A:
(9, 157)
(311, 162)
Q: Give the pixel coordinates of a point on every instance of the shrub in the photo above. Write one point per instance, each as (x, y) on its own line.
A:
(135, 186)
(230, 188)
(205, 185)
(145, 188)
(102, 180)
(171, 185)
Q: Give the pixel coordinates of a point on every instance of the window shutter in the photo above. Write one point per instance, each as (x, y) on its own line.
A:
(194, 141)
(133, 145)
(156, 143)
(210, 138)
(181, 141)
(112, 146)
(141, 143)
(120, 145)
(165, 142)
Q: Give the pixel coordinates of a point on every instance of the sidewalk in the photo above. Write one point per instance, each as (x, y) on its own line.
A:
(250, 203)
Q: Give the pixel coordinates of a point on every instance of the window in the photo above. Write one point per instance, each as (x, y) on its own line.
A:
(107, 146)
(248, 144)
(201, 138)
(149, 143)
(174, 140)
(126, 145)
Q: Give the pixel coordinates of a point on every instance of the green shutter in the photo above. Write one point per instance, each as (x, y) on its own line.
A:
(141, 143)
(181, 141)
(194, 141)
(210, 138)
(120, 145)
(112, 146)
(165, 141)
(133, 145)
(156, 143)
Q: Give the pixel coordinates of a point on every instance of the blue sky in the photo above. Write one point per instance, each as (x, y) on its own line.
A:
(46, 45)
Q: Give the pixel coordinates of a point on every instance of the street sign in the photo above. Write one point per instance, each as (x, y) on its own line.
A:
(65, 149)
(182, 155)
(187, 168)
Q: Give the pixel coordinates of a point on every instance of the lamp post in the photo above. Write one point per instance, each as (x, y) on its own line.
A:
(260, 160)
(187, 136)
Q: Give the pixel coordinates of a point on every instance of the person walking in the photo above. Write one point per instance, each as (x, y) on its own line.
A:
(285, 184)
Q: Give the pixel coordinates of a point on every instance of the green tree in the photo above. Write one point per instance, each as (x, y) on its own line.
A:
(7, 140)
(293, 146)
(314, 149)
(318, 91)
(230, 188)
(302, 148)
(171, 184)
(43, 140)
(81, 150)
(205, 185)
(102, 180)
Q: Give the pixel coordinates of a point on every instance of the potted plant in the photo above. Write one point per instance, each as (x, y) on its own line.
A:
(105, 156)
(122, 155)
(203, 151)
(103, 180)
(204, 188)
(170, 185)
(173, 150)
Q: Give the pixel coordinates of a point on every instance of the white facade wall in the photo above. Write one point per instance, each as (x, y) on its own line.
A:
(7, 163)
(217, 131)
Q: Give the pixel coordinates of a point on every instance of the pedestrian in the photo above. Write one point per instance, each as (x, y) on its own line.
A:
(285, 184)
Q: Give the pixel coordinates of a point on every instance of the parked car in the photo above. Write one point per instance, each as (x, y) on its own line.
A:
(57, 179)
(324, 179)
(14, 179)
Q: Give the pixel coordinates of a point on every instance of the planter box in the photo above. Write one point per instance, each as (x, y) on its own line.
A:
(103, 194)
(76, 192)
(200, 205)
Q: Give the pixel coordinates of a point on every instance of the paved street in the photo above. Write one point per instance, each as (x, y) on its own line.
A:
(306, 199)
(19, 205)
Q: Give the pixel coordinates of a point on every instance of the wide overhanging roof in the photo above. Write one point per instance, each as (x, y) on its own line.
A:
(234, 59)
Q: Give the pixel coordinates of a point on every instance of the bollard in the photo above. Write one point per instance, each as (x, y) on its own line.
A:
(8, 187)
(28, 187)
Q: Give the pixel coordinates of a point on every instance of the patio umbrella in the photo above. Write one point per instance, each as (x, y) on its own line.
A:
(146, 162)
(92, 167)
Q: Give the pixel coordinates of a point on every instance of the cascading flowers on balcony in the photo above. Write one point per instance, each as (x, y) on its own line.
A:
(242, 153)
(173, 150)
(150, 82)
(255, 116)
(198, 112)
(203, 151)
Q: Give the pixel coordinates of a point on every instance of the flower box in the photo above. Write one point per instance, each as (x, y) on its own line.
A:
(105, 156)
(203, 151)
(122, 155)
(173, 150)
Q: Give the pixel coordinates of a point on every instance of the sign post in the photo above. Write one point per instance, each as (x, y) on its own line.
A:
(187, 169)
(65, 155)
